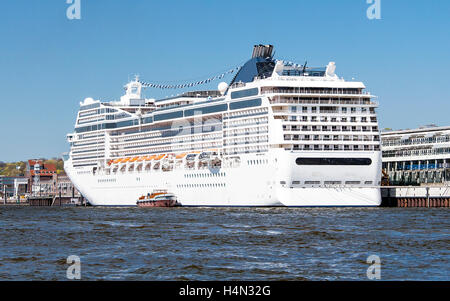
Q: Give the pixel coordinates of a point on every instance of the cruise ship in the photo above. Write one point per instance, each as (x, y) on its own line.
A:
(279, 134)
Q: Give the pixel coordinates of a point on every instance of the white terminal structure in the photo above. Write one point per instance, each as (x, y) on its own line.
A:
(417, 156)
(280, 134)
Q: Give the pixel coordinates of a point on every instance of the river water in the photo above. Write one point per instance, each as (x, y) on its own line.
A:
(224, 243)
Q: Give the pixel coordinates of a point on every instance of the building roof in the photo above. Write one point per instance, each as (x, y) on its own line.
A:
(46, 169)
(421, 130)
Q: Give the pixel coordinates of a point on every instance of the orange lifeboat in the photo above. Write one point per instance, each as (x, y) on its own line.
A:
(159, 157)
(180, 156)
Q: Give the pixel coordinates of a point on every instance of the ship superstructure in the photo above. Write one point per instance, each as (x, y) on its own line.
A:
(280, 134)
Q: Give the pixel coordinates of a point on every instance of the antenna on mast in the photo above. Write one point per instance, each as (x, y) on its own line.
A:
(304, 66)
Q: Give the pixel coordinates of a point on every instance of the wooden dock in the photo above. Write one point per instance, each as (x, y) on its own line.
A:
(51, 201)
(40, 201)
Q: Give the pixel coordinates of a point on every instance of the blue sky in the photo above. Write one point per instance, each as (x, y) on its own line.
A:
(48, 64)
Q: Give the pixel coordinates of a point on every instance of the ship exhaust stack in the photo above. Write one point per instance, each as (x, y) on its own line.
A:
(262, 51)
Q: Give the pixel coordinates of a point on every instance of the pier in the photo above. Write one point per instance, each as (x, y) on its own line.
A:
(51, 201)
(40, 201)
(415, 196)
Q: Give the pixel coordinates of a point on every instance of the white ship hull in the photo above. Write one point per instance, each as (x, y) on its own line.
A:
(265, 184)
(279, 135)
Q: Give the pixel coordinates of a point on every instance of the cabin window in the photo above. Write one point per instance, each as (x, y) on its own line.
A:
(244, 93)
(245, 104)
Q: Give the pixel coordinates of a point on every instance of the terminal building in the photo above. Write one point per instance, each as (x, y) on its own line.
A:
(43, 179)
(43, 172)
(12, 186)
(417, 157)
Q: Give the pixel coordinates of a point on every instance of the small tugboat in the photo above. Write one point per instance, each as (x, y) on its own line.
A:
(158, 198)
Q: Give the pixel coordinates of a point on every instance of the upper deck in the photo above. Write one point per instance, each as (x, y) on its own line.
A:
(268, 104)
(261, 75)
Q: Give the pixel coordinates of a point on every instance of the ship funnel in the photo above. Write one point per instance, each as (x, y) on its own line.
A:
(262, 51)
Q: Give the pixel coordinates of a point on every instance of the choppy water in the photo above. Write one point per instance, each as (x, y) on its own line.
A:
(224, 243)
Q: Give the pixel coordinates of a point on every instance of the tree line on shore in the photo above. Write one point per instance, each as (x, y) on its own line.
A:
(18, 169)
